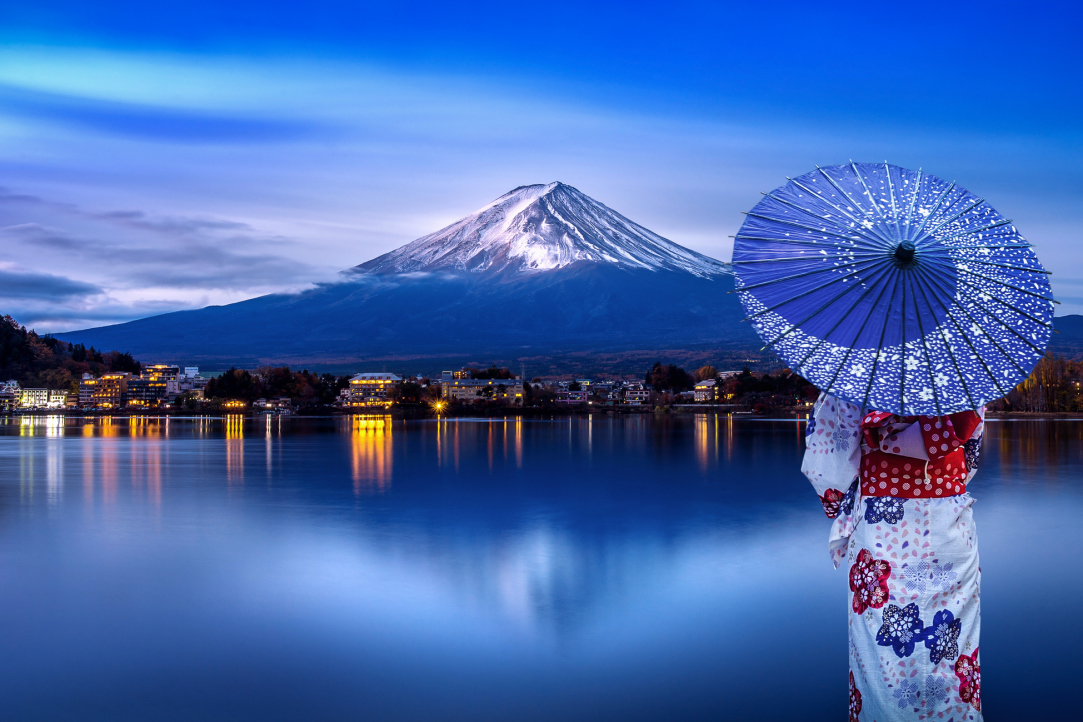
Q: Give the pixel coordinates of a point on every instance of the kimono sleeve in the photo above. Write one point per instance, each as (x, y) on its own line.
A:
(972, 447)
(832, 450)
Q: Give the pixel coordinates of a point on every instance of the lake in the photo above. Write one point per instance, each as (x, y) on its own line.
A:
(628, 567)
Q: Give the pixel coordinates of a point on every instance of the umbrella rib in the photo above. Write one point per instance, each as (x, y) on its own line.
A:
(806, 319)
(933, 210)
(850, 348)
(802, 294)
(951, 354)
(875, 205)
(1002, 283)
(977, 354)
(1021, 337)
(1004, 265)
(810, 213)
(880, 346)
(963, 248)
(1001, 222)
(966, 338)
(891, 194)
(925, 348)
(877, 236)
(848, 197)
(943, 223)
(1002, 302)
(780, 239)
(902, 361)
(934, 259)
(820, 196)
(913, 201)
(798, 275)
(795, 224)
(809, 258)
(832, 329)
(993, 340)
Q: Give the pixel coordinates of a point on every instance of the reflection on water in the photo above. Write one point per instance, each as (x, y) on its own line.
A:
(370, 447)
(641, 568)
(235, 448)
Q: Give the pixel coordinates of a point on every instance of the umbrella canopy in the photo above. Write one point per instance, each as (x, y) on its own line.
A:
(893, 289)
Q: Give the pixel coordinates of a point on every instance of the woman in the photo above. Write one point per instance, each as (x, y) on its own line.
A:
(896, 488)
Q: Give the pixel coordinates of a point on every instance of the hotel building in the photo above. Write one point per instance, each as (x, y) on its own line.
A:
(369, 390)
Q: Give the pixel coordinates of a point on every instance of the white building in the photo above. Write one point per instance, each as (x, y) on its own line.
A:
(372, 389)
(706, 391)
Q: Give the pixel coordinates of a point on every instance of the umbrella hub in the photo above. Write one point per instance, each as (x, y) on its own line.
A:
(904, 253)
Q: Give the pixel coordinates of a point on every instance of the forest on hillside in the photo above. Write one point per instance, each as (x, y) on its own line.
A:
(37, 361)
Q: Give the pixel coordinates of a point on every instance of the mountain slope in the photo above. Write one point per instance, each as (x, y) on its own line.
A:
(539, 228)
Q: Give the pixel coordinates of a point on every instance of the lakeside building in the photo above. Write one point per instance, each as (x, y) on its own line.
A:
(108, 392)
(282, 405)
(145, 392)
(636, 395)
(42, 399)
(573, 397)
(156, 385)
(14, 397)
(706, 391)
(368, 390)
(9, 398)
(474, 390)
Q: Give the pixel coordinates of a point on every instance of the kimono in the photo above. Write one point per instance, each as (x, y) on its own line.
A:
(903, 526)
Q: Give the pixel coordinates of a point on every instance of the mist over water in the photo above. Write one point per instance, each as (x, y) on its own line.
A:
(635, 568)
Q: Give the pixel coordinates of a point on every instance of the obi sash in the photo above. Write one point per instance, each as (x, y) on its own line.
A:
(915, 456)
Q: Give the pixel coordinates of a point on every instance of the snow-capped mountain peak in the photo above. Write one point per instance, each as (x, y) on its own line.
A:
(542, 227)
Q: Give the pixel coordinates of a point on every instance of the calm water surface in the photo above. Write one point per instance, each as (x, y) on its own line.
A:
(360, 568)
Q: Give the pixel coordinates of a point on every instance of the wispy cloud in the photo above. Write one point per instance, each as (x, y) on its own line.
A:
(43, 286)
(151, 122)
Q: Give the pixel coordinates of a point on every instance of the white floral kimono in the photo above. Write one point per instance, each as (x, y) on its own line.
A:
(896, 488)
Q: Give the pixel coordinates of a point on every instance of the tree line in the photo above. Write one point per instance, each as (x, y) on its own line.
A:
(42, 361)
(270, 382)
(1054, 386)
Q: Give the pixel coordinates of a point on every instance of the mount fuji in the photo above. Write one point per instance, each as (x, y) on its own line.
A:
(544, 273)
(542, 228)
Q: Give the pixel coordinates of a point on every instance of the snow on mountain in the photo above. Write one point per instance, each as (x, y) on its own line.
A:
(539, 228)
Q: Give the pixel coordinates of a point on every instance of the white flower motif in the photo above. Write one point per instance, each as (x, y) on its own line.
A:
(941, 380)
(935, 690)
(907, 693)
(943, 576)
(916, 576)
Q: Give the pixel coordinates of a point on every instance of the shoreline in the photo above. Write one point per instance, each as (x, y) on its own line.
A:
(413, 413)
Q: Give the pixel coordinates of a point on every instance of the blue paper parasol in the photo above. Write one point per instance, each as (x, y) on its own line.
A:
(893, 289)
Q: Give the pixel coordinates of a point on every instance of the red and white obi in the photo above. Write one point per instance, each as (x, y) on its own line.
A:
(916, 456)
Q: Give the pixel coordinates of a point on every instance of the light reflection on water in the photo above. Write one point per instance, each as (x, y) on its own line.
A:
(616, 567)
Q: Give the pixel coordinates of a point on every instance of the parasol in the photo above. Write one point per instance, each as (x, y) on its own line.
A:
(893, 289)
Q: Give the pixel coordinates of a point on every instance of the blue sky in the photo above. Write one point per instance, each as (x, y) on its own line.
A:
(156, 156)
